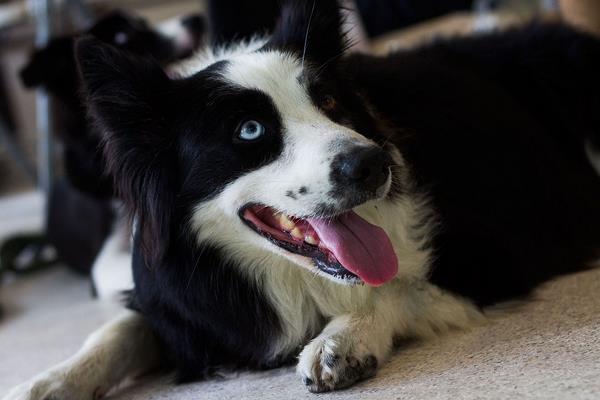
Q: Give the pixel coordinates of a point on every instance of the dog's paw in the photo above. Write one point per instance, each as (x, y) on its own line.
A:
(53, 385)
(332, 363)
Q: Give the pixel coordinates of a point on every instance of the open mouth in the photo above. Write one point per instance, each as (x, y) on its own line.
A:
(345, 247)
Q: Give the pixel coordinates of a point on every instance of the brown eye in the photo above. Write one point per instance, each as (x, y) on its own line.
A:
(328, 103)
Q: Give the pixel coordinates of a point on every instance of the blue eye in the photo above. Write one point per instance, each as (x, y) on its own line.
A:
(251, 130)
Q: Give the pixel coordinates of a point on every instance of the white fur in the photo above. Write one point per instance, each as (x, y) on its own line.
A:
(207, 56)
(174, 30)
(409, 309)
(111, 272)
(122, 348)
(593, 155)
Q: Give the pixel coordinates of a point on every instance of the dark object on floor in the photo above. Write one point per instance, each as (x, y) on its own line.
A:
(26, 253)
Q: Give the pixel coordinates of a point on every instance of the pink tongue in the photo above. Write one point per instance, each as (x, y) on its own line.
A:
(362, 248)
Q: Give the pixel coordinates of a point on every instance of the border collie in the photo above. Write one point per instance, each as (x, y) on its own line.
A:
(291, 202)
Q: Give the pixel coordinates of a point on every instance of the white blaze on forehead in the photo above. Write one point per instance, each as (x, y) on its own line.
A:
(310, 139)
(277, 75)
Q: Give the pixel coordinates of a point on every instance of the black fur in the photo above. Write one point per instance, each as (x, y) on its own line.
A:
(53, 68)
(320, 38)
(492, 130)
(495, 128)
(205, 313)
(231, 20)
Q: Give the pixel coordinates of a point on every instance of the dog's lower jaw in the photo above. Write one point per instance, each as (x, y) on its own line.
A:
(353, 346)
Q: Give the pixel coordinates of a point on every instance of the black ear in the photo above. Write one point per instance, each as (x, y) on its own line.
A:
(127, 98)
(311, 28)
(231, 20)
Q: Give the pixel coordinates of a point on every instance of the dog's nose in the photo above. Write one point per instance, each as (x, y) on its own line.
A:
(365, 167)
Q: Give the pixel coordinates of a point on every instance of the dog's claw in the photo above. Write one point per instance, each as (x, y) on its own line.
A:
(327, 365)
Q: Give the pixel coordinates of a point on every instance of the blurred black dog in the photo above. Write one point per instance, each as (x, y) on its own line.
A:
(80, 211)
(53, 68)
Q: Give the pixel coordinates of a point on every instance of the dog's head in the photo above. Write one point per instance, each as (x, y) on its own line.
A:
(264, 149)
(166, 42)
(53, 66)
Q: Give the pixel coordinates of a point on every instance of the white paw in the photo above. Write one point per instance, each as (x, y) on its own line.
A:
(335, 362)
(53, 385)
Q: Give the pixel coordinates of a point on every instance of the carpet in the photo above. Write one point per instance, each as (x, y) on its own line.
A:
(546, 348)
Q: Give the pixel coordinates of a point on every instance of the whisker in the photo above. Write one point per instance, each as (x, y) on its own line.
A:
(193, 271)
(387, 141)
(307, 31)
(349, 44)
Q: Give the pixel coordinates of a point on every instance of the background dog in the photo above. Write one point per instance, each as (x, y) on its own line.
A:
(80, 209)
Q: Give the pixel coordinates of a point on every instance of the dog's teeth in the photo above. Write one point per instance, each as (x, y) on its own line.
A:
(310, 239)
(286, 223)
(297, 234)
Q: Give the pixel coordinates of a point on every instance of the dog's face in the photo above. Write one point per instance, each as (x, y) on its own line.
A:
(266, 150)
(53, 66)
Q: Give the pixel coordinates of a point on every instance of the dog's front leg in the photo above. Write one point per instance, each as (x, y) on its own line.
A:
(347, 350)
(120, 349)
(353, 345)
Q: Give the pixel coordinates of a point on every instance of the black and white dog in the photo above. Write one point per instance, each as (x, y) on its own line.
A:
(294, 203)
